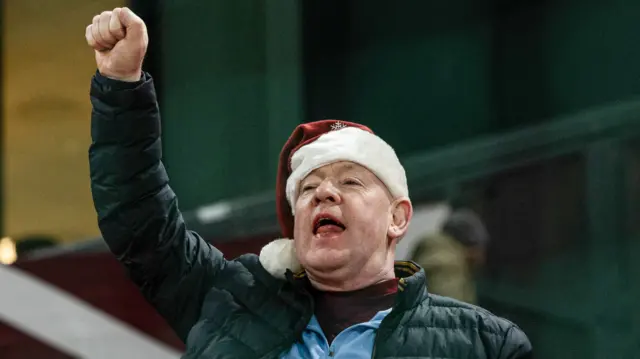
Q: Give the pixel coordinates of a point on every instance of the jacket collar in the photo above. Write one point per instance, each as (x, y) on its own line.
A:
(412, 288)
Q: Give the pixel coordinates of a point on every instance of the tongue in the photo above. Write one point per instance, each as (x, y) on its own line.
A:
(329, 228)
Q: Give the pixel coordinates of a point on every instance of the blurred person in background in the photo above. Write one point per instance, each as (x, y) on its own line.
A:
(452, 257)
(333, 291)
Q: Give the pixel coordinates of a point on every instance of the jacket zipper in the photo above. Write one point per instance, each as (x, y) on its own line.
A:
(394, 312)
(375, 341)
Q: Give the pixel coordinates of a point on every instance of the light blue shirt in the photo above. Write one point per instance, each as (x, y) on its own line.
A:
(355, 342)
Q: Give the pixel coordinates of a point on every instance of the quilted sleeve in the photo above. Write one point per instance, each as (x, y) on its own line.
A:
(137, 210)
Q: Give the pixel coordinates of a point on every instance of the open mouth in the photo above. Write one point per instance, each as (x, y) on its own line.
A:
(324, 223)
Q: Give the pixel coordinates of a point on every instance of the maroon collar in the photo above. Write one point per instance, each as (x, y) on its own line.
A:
(336, 311)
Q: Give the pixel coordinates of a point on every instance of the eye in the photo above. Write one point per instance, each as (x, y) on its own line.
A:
(351, 182)
(308, 187)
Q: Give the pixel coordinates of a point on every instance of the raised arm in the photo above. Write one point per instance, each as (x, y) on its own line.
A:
(137, 211)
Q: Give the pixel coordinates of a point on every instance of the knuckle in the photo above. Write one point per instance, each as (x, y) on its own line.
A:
(138, 23)
(96, 18)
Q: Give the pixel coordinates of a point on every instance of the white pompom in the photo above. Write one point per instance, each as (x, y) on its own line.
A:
(278, 256)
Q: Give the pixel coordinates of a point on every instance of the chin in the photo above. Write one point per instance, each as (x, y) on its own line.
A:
(326, 259)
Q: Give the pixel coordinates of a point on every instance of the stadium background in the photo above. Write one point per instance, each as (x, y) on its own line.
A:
(528, 111)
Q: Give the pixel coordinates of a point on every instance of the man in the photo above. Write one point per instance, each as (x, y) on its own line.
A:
(452, 257)
(341, 193)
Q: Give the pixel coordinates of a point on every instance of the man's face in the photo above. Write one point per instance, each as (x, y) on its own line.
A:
(343, 215)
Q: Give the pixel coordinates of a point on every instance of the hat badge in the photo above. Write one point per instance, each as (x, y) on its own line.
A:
(338, 126)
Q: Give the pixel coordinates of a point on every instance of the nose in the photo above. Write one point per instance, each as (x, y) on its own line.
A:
(327, 192)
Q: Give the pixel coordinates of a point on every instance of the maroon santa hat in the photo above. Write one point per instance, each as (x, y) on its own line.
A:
(311, 146)
(302, 135)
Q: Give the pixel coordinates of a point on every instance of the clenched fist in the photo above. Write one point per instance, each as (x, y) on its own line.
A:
(120, 40)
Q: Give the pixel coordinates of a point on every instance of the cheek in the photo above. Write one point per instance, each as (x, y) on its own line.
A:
(300, 215)
(371, 219)
(301, 223)
(298, 227)
(301, 242)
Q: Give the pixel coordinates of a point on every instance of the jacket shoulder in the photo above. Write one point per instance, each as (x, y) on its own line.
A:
(466, 314)
(501, 338)
(247, 273)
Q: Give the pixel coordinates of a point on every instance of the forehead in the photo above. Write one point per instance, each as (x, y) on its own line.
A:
(339, 168)
(348, 168)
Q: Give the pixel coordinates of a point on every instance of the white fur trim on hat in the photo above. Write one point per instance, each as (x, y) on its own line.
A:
(348, 144)
(278, 256)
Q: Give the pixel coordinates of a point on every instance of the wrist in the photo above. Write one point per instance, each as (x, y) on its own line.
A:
(135, 77)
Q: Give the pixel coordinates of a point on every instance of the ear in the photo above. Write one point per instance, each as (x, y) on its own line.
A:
(401, 213)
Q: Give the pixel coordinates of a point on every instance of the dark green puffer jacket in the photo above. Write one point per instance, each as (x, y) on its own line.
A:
(235, 308)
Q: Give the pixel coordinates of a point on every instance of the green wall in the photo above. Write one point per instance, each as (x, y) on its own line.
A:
(419, 74)
(431, 73)
(422, 75)
(230, 94)
(558, 57)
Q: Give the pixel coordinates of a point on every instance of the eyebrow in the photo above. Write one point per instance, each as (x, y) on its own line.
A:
(321, 172)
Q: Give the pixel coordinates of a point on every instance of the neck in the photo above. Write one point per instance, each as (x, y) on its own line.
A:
(348, 279)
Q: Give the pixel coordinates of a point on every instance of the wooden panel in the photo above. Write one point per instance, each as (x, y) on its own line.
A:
(47, 69)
